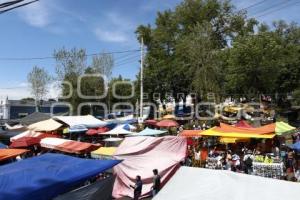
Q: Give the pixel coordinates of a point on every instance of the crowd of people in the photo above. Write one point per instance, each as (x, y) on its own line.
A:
(241, 157)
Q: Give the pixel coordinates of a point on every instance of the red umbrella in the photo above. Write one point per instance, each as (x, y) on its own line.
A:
(103, 129)
(167, 123)
(25, 142)
(151, 122)
(92, 131)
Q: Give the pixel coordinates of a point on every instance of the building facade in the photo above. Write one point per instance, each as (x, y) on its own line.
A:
(16, 109)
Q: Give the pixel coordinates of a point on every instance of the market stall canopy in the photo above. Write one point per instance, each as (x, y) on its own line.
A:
(267, 129)
(47, 176)
(103, 151)
(141, 155)
(34, 117)
(68, 146)
(243, 124)
(99, 190)
(87, 120)
(228, 140)
(25, 142)
(191, 133)
(169, 117)
(46, 125)
(282, 127)
(119, 130)
(30, 133)
(167, 123)
(6, 154)
(216, 132)
(295, 146)
(223, 184)
(149, 132)
(113, 139)
(75, 129)
(17, 127)
(151, 122)
(2, 146)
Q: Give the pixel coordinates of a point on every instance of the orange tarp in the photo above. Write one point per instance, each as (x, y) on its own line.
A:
(77, 147)
(267, 129)
(190, 133)
(11, 153)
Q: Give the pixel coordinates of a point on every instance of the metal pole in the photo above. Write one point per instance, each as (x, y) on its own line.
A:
(142, 62)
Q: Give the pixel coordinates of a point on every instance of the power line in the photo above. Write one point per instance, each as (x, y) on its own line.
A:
(7, 4)
(253, 5)
(267, 13)
(270, 8)
(52, 57)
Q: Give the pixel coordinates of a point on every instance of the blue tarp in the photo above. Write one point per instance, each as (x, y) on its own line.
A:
(46, 176)
(295, 146)
(2, 146)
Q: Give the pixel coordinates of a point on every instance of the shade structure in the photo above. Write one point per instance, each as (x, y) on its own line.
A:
(76, 129)
(151, 122)
(227, 140)
(169, 117)
(34, 117)
(128, 127)
(295, 146)
(149, 132)
(103, 151)
(267, 129)
(28, 133)
(99, 190)
(45, 177)
(119, 130)
(243, 124)
(191, 133)
(216, 132)
(141, 155)
(2, 146)
(92, 131)
(68, 146)
(113, 139)
(167, 123)
(25, 142)
(223, 184)
(282, 128)
(6, 154)
(46, 125)
(87, 120)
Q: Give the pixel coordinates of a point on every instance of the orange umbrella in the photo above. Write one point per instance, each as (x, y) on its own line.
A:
(167, 123)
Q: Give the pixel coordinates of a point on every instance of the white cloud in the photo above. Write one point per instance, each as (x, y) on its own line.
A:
(110, 36)
(36, 14)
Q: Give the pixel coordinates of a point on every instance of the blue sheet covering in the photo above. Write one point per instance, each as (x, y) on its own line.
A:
(2, 146)
(149, 132)
(46, 176)
(295, 146)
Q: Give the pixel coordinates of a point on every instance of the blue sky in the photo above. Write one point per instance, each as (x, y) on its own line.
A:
(96, 25)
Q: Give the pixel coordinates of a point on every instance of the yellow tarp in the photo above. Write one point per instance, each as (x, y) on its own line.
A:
(105, 151)
(282, 127)
(227, 140)
(212, 132)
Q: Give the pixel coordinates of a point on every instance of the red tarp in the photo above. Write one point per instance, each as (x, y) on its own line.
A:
(25, 142)
(6, 154)
(141, 155)
(167, 123)
(151, 122)
(243, 124)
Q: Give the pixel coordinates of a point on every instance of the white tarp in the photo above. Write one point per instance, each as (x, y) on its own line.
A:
(87, 120)
(119, 130)
(46, 125)
(28, 133)
(198, 183)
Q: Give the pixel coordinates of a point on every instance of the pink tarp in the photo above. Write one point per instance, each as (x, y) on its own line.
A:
(141, 155)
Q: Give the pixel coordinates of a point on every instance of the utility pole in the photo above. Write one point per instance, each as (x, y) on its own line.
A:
(142, 92)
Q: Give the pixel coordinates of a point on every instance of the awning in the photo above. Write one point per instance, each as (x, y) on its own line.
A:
(119, 130)
(243, 124)
(200, 183)
(87, 120)
(267, 129)
(227, 140)
(167, 123)
(47, 176)
(46, 125)
(6, 154)
(191, 133)
(34, 117)
(151, 122)
(216, 132)
(282, 127)
(34, 134)
(105, 151)
(141, 155)
(68, 146)
(3, 146)
(25, 142)
(149, 132)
